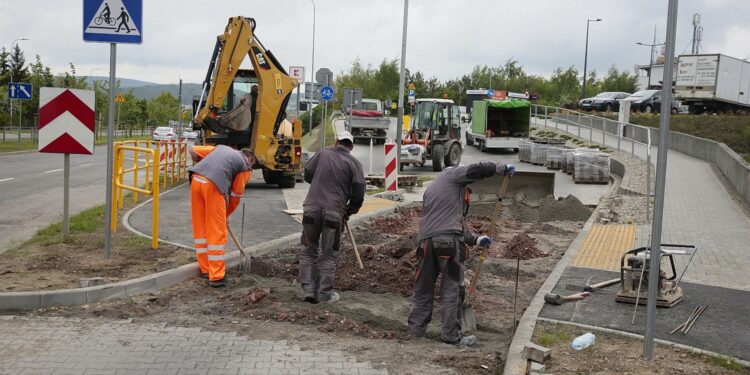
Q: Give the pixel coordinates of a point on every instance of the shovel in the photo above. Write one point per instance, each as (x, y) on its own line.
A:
(245, 261)
(354, 244)
(468, 319)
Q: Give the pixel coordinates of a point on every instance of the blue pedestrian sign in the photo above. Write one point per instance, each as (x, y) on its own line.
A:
(490, 93)
(113, 21)
(412, 92)
(326, 93)
(19, 91)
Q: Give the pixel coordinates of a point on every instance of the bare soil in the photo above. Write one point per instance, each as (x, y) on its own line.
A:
(614, 354)
(50, 265)
(370, 319)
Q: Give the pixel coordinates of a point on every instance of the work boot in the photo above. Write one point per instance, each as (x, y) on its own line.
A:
(311, 298)
(467, 341)
(218, 283)
(332, 298)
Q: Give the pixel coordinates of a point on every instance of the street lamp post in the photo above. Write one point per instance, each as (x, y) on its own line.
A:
(586, 55)
(11, 100)
(650, 59)
(312, 72)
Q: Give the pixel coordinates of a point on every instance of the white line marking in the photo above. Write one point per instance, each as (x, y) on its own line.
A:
(83, 165)
(7, 179)
(54, 170)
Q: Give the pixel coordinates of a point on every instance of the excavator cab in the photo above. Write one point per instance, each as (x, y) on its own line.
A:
(246, 108)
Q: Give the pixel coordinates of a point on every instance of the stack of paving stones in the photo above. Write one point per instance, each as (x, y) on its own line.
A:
(590, 167)
(524, 151)
(554, 157)
(538, 154)
(566, 160)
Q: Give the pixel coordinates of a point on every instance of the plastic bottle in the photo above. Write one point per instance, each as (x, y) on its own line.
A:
(583, 341)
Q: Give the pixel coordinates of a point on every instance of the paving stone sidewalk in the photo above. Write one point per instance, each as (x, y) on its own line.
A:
(59, 346)
(700, 209)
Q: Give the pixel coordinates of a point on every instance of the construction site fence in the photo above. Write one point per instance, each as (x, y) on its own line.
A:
(160, 164)
(613, 134)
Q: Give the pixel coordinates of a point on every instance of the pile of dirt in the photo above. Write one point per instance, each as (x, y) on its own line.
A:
(405, 221)
(548, 209)
(521, 246)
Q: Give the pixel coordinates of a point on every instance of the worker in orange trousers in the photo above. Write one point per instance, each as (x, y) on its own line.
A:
(217, 182)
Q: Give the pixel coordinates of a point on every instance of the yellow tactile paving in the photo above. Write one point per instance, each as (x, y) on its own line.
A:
(604, 245)
(374, 204)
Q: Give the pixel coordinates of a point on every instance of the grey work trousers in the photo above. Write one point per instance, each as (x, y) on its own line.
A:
(442, 254)
(321, 229)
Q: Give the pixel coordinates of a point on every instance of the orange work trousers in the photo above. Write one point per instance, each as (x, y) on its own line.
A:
(208, 207)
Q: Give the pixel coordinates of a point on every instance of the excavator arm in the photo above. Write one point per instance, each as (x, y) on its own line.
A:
(275, 149)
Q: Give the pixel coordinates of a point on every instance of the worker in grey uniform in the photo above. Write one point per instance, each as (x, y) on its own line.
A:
(337, 190)
(442, 249)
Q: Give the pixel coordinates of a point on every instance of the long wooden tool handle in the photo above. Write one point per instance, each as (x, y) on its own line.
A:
(354, 244)
(234, 239)
(485, 250)
(605, 283)
(503, 190)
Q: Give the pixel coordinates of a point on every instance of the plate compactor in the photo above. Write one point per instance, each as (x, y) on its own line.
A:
(635, 273)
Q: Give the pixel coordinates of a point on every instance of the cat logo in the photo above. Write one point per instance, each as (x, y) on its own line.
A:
(262, 62)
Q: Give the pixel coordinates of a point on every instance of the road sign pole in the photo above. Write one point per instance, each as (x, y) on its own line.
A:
(323, 125)
(179, 112)
(20, 114)
(110, 151)
(401, 83)
(66, 196)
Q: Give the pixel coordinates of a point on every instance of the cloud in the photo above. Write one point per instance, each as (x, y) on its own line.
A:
(445, 38)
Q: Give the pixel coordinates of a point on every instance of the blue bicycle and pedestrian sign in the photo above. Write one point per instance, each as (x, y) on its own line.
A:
(326, 93)
(19, 91)
(113, 21)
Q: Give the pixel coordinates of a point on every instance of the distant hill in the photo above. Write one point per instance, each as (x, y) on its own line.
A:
(150, 90)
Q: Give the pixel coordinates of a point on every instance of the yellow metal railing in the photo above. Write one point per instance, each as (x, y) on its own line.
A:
(164, 165)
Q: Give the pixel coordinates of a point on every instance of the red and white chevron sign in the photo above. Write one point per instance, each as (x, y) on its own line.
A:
(66, 120)
(391, 171)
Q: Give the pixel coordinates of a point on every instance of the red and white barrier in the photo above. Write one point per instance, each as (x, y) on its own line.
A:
(391, 167)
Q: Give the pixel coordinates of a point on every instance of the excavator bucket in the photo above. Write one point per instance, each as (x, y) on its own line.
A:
(535, 185)
(238, 119)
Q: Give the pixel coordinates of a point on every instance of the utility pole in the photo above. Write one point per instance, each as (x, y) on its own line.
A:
(661, 175)
(401, 83)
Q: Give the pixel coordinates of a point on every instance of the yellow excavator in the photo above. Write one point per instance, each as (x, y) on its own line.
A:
(246, 108)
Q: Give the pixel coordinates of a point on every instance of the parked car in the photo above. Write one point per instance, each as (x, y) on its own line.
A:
(605, 101)
(190, 134)
(649, 101)
(163, 133)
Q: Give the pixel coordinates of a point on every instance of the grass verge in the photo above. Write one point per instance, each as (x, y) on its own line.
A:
(14, 145)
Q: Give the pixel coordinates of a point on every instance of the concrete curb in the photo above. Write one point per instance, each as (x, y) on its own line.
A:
(19, 301)
(11, 153)
(515, 364)
(640, 337)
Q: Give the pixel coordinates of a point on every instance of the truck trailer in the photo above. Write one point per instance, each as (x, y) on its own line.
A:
(713, 83)
(498, 123)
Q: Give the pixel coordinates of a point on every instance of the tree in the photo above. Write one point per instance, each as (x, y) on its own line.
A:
(163, 108)
(4, 67)
(69, 79)
(17, 65)
(616, 81)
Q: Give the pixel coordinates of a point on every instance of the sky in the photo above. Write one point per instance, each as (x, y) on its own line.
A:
(445, 39)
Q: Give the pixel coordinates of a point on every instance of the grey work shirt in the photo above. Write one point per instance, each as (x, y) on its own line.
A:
(443, 200)
(221, 166)
(337, 181)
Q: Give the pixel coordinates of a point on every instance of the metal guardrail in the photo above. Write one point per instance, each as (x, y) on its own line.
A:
(625, 133)
(165, 164)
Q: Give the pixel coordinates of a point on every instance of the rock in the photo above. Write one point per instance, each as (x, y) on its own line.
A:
(396, 197)
(86, 282)
(535, 366)
(164, 265)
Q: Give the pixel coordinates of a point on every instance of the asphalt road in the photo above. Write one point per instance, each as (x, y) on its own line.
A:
(31, 190)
